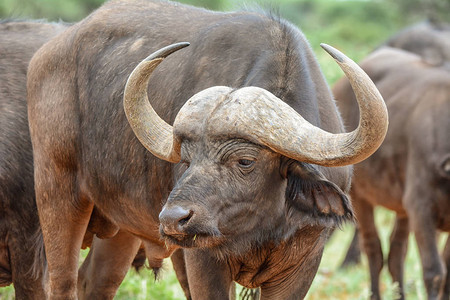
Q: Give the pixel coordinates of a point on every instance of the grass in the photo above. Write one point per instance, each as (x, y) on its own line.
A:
(354, 282)
(329, 283)
(143, 286)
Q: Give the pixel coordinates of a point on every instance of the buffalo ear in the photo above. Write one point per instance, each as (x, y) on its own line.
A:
(313, 199)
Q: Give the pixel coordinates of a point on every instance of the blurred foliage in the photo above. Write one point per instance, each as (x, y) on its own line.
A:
(54, 10)
(435, 10)
(353, 26)
(302, 12)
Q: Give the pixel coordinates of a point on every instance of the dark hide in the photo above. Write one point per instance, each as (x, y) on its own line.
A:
(409, 173)
(86, 154)
(21, 246)
(430, 41)
(22, 258)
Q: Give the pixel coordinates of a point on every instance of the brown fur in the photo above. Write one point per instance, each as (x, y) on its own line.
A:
(22, 259)
(407, 172)
(86, 154)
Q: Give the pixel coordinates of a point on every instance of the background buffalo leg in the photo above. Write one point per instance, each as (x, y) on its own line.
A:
(370, 242)
(397, 251)
(446, 256)
(353, 255)
(106, 265)
(24, 258)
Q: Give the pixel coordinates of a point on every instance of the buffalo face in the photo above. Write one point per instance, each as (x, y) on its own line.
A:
(235, 194)
(230, 188)
(252, 160)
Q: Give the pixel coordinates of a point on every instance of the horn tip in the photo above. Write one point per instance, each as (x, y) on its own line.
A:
(166, 51)
(336, 54)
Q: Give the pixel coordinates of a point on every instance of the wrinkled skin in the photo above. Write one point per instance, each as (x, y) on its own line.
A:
(409, 174)
(21, 246)
(90, 169)
(279, 267)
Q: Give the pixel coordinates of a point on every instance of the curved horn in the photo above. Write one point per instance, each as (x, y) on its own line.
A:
(291, 135)
(152, 131)
(373, 121)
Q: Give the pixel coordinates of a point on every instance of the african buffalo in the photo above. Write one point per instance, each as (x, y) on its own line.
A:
(21, 246)
(410, 173)
(253, 197)
(22, 257)
(429, 40)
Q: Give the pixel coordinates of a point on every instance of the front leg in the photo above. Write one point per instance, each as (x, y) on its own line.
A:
(370, 241)
(24, 247)
(353, 256)
(446, 257)
(106, 265)
(208, 277)
(64, 219)
(425, 232)
(433, 269)
(397, 251)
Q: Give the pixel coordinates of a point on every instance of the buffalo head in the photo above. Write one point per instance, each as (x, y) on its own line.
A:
(251, 160)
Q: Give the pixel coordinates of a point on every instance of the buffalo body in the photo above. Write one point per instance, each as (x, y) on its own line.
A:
(409, 173)
(21, 246)
(245, 212)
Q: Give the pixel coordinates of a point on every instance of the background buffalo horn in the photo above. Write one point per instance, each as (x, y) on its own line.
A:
(152, 131)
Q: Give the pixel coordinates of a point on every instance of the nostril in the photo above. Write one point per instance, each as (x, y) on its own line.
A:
(175, 216)
(183, 221)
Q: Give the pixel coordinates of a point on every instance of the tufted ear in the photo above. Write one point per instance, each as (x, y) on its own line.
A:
(313, 199)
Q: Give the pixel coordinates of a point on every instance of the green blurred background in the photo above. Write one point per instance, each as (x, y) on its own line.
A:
(355, 27)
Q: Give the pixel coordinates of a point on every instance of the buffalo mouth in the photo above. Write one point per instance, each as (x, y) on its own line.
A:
(193, 239)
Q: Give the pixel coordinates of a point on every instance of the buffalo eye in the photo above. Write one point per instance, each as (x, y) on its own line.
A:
(245, 163)
(445, 167)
